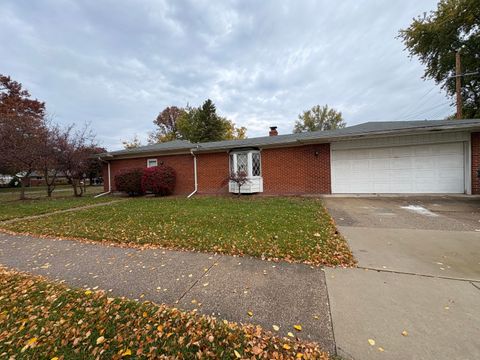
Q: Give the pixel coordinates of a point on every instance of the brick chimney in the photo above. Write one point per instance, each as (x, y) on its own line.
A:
(273, 131)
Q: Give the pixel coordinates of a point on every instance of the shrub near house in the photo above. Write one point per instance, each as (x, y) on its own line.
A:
(130, 182)
(159, 180)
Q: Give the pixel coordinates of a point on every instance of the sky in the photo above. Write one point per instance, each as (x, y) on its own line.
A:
(115, 64)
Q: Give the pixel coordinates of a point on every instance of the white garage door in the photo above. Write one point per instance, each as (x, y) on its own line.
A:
(435, 168)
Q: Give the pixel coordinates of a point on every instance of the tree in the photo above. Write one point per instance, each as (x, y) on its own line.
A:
(203, 124)
(76, 151)
(95, 165)
(22, 130)
(49, 155)
(132, 144)
(166, 122)
(435, 38)
(232, 132)
(200, 124)
(239, 178)
(319, 118)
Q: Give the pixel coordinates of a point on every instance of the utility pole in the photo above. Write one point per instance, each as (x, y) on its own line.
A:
(458, 84)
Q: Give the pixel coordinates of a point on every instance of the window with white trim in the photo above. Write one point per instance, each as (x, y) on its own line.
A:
(248, 161)
(151, 162)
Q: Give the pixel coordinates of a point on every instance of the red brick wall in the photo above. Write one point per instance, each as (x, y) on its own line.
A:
(297, 170)
(212, 173)
(294, 170)
(475, 163)
(183, 165)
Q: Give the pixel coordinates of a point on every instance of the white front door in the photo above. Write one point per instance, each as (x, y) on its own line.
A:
(432, 168)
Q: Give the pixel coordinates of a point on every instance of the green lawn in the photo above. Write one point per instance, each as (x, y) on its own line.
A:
(10, 209)
(293, 229)
(45, 320)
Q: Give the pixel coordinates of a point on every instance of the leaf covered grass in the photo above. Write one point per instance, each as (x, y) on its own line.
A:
(11, 209)
(292, 229)
(45, 320)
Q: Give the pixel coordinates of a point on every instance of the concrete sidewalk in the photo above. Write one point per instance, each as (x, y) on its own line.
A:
(228, 287)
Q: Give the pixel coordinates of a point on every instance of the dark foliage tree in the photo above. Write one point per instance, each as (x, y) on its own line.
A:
(76, 151)
(22, 130)
(435, 38)
(319, 118)
(48, 157)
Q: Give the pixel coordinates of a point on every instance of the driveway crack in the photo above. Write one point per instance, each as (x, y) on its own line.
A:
(476, 285)
(417, 274)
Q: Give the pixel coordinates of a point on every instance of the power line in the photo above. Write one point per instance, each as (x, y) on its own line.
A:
(423, 111)
(409, 109)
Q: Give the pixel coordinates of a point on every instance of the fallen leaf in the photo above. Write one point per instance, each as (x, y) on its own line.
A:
(237, 354)
(297, 327)
(127, 352)
(100, 340)
(88, 292)
(299, 355)
(290, 334)
(249, 313)
(371, 342)
(276, 327)
(286, 347)
(381, 349)
(404, 333)
(256, 350)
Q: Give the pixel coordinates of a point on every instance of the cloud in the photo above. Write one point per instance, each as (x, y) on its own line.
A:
(116, 64)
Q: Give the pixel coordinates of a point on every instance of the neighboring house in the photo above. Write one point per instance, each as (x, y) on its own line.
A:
(441, 156)
(37, 178)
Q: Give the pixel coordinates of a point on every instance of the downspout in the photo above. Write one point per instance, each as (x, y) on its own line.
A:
(109, 179)
(194, 174)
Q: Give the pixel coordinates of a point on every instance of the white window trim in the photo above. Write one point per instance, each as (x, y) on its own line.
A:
(148, 163)
(249, 162)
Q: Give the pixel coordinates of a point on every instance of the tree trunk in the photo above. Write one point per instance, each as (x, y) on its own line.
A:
(22, 189)
(50, 182)
(77, 188)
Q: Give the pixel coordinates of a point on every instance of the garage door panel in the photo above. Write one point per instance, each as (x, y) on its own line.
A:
(435, 168)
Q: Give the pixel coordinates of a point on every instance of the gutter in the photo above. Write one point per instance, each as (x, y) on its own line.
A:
(109, 179)
(194, 173)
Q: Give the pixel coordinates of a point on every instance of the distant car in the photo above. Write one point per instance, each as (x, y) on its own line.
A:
(5, 179)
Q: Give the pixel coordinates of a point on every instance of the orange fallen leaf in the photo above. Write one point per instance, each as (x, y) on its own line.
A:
(286, 346)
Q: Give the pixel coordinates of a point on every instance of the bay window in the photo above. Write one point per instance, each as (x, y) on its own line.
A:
(248, 162)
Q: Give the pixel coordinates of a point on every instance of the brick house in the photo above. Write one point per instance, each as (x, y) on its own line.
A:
(441, 156)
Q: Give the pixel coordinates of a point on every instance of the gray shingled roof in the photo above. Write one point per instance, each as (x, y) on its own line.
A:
(365, 129)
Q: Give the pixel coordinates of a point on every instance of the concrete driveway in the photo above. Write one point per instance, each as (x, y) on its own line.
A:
(418, 272)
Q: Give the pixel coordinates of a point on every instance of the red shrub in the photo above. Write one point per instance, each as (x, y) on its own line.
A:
(159, 180)
(130, 181)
